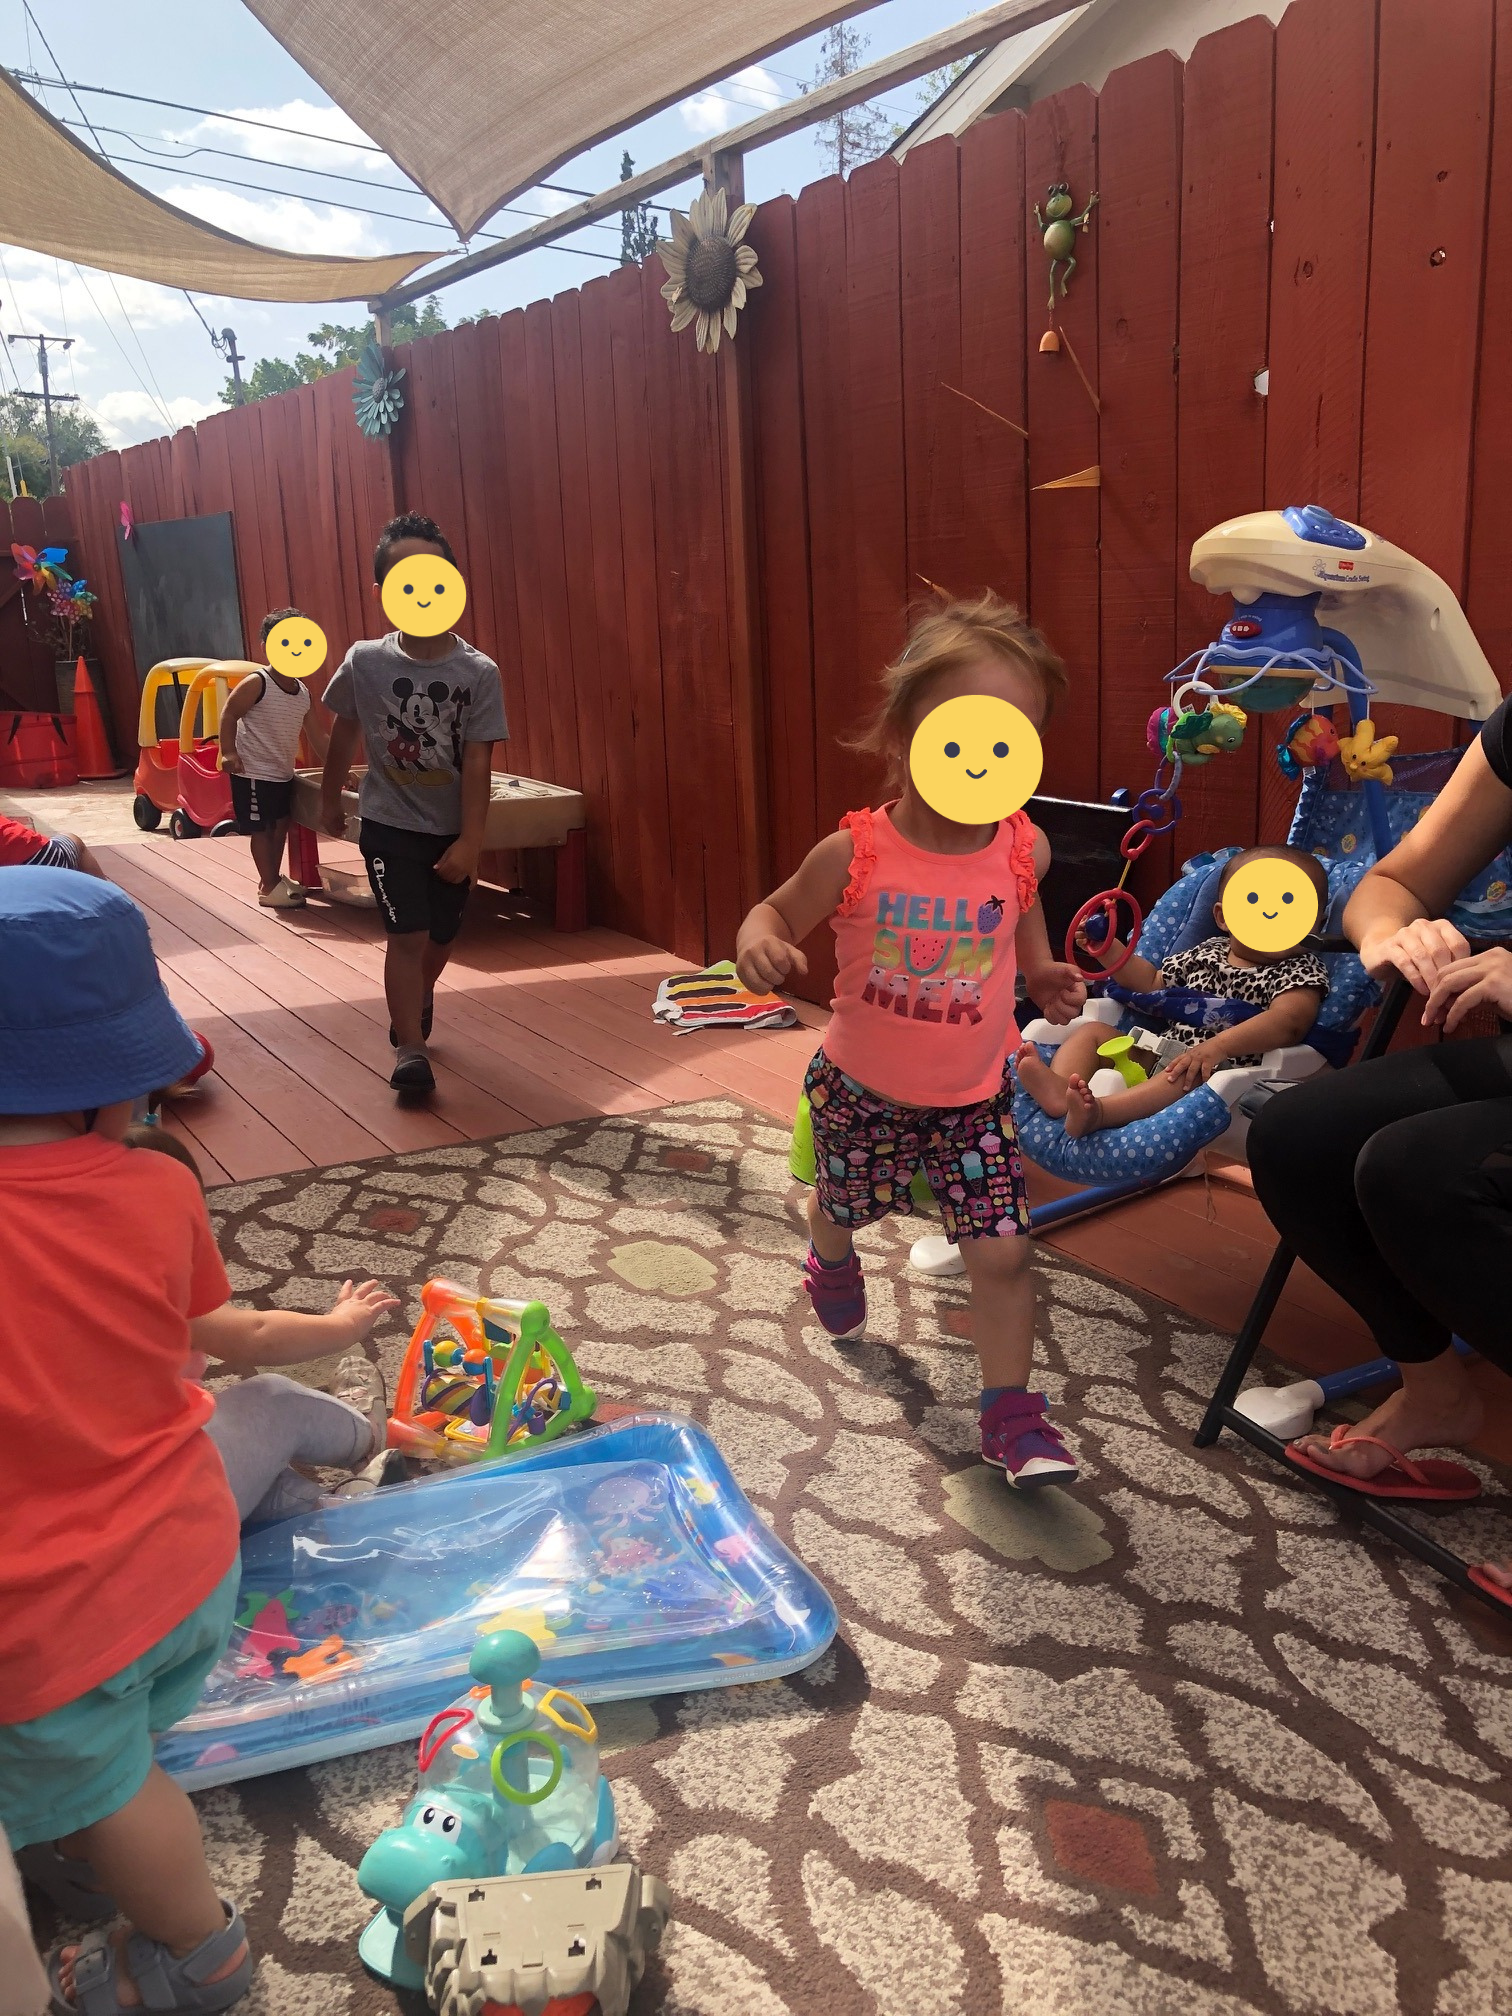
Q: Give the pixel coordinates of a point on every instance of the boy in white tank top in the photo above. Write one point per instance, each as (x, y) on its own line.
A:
(259, 737)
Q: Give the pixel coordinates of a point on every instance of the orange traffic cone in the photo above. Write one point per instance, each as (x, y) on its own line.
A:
(95, 759)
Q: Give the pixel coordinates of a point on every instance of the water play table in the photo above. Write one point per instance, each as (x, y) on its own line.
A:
(539, 821)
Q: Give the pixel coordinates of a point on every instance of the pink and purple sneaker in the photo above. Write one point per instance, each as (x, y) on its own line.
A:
(1019, 1439)
(837, 1293)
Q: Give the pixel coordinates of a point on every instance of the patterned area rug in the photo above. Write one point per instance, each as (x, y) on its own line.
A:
(1178, 1742)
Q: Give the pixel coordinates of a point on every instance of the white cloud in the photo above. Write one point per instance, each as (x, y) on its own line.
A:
(135, 416)
(550, 203)
(744, 96)
(327, 120)
(46, 294)
(286, 221)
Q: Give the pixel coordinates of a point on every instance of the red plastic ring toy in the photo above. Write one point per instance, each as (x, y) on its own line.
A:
(1105, 905)
(438, 1729)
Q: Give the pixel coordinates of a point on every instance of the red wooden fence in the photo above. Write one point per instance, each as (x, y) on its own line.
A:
(1330, 200)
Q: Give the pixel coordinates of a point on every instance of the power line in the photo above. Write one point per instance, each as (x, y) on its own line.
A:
(178, 151)
(263, 125)
(157, 399)
(334, 203)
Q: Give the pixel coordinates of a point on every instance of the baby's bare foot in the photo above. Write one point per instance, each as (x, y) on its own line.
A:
(1083, 1109)
(1046, 1090)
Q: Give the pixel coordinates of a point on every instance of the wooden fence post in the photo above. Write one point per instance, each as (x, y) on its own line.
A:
(747, 664)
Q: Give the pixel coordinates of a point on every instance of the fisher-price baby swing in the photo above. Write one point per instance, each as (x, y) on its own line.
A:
(1285, 570)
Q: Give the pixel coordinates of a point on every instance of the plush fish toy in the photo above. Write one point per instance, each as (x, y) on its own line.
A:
(1311, 739)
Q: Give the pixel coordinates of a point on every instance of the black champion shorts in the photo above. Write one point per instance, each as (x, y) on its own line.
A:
(401, 866)
(258, 804)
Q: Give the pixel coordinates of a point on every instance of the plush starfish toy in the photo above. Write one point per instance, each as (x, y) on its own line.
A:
(1366, 756)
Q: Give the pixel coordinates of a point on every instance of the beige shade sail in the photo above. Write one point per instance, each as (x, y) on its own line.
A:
(478, 99)
(59, 198)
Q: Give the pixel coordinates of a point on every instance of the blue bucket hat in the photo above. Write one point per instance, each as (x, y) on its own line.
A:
(84, 1020)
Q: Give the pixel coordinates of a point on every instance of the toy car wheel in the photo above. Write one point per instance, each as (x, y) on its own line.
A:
(221, 828)
(182, 827)
(147, 815)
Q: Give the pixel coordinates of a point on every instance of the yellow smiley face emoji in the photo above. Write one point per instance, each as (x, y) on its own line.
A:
(296, 647)
(975, 759)
(1270, 904)
(423, 595)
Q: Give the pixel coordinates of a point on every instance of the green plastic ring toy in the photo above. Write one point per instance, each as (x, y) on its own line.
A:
(502, 1785)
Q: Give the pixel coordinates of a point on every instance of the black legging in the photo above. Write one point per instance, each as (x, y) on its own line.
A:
(1393, 1181)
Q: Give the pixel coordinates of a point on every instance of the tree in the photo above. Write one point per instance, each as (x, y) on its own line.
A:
(638, 232)
(336, 344)
(23, 437)
(861, 132)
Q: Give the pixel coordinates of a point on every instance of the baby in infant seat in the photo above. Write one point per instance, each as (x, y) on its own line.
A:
(1287, 984)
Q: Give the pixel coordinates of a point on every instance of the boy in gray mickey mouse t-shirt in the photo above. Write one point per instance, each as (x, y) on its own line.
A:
(428, 710)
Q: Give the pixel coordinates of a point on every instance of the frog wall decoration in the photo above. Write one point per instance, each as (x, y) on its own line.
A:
(1059, 223)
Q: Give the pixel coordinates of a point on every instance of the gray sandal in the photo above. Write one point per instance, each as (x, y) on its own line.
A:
(163, 1981)
(65, 1882)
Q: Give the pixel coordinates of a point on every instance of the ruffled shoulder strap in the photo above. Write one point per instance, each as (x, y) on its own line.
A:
(1021, 859)
(863, 859)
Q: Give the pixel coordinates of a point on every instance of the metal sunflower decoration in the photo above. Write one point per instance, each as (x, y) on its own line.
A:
(710, 269)
(376, 398)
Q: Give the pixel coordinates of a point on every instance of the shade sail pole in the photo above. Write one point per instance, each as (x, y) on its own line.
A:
(977, 31)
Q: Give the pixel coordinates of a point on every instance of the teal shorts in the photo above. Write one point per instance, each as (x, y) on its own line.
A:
(85, 1760)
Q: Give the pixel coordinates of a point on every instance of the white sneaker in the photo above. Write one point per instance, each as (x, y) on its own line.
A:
(284, 895)
(358, 1381)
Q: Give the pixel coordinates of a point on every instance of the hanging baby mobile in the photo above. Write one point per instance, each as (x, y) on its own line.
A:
(376, 398)
(710, 268)
(1274, 672)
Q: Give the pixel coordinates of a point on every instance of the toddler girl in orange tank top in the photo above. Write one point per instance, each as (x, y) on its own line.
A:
(933, 921)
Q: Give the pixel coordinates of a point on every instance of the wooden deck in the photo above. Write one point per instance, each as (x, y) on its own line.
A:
(534, 1027)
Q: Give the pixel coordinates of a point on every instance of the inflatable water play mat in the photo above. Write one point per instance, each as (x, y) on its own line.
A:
(628, 1552)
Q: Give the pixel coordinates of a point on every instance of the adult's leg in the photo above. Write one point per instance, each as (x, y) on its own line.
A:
(1436, 1193)
(1303, 1148)
(264, 1424)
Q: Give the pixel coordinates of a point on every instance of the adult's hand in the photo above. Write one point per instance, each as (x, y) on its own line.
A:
(1481, 981)
(1421, 952)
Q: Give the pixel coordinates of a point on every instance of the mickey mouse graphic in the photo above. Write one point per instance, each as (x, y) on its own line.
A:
(414, 741)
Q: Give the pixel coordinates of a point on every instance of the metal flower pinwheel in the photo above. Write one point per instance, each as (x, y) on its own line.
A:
(710, 268)
(376, 398)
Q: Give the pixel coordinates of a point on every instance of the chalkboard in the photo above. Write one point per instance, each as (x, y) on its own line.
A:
(181, 597)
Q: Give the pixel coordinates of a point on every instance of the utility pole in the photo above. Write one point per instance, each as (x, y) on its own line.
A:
(228, 349)
(48, 397)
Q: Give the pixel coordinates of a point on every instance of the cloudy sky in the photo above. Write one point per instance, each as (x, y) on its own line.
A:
(141, 359)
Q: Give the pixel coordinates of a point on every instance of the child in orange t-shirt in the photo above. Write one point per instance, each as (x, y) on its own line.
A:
(119, 1571)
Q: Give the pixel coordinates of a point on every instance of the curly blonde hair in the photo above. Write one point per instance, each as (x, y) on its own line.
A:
(942, 637)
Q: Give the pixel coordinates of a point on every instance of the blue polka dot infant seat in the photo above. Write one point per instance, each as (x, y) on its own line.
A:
(1163, 1143)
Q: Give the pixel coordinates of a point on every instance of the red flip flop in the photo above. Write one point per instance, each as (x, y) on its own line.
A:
(1433, 1479)
(1492, 1588)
